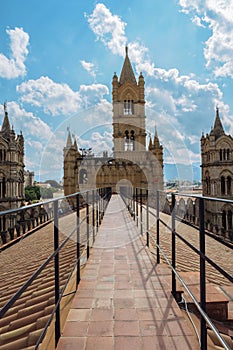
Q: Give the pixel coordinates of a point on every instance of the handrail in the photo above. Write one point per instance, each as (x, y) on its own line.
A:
(100, 207)
(133, 196)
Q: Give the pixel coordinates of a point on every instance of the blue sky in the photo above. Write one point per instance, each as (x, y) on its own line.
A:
(57, 59)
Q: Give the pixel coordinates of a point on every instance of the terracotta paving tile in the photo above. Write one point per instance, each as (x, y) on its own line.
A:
(126, 315)
(175, 327)
(87, 284)
(101, 314)
(128, 343)
(184, 343)
(122, 303)
(75, 329)
(71, 343)
(100, 328)
(126, 328)
(107, 293)
(146, 302)
(149, 314)
(102, 303)
(123, 285)
(122, 278)
(84, 293)
(79, 315)
(149, 328)
(82, 303)
(123, 293)
(158, 343)
(100, 343)
(104, 285)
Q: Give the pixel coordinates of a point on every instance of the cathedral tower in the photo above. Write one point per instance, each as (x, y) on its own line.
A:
(217, 175)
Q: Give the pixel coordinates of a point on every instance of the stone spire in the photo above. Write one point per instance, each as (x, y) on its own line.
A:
(69, 140)
(127, 73)
(218, 130)
(6, 124)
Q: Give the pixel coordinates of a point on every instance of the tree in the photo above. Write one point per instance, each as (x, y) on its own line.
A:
(32, 193)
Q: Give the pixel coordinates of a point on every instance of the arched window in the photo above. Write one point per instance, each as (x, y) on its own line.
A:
(229, 219)
(228, 185)
(128, 107)
(228, 154)
(207, 183)
(83, 178)
(224, 219)
(224, 154)
(220, 154)
(126, 145)
(223, 187)
(131, 141)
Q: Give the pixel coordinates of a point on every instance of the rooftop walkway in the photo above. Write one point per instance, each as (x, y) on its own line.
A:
(124, 298)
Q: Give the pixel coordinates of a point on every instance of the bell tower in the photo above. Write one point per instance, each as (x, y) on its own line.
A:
(128, 99)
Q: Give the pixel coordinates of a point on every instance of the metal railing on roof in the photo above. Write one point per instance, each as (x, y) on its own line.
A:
(94, 202)
(137, 200)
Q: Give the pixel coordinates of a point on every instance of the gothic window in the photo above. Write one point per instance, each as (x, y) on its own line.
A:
(220, 154)
(126, 140)
(224, 219)
(128, 107)
(207, 183)
(83, 178)
(129, 141)
(228, 185)
(229, 219)
(223, 188)
(224, 154)
(228, 154)
(2, 155)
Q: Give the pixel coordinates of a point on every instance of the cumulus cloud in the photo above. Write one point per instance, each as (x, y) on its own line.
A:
(31, 125)
(181, 100)
(35, 131)
(14, 66)
(60, 99)
(108, 28)
(89, 67)
(217, 15)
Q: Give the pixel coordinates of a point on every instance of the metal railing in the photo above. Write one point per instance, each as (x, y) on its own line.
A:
(137, 200)
(94, 203)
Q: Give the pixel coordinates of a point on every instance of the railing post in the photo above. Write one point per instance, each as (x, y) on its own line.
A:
(202, 274)
(78, 240)
(141, 229)
(97, 211)
(93, 214)
(56, 271)
(136, 206)
(157, 226)
(173, 244)
(147, 218)
(87, 225)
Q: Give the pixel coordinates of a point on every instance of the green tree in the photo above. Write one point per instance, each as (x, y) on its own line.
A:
(32, 193)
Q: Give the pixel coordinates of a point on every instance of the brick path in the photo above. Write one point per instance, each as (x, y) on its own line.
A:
(124, 299)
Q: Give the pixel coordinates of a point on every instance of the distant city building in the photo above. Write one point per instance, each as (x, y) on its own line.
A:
(217, 175)
(29, 178)
(11, 168)
(131, 164)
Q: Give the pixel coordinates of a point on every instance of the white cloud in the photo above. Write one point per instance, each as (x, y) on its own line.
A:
(14, 66)
(89, 67)
(108, 28)
(30, 125)
(60, 99)
(54, 98)
(217, 15)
